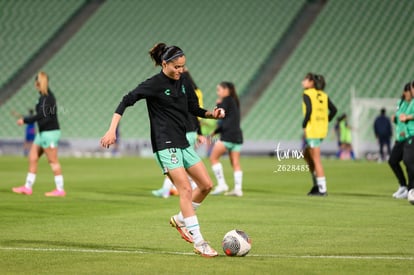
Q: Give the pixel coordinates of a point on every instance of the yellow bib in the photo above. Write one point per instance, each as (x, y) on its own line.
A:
(317, 126)
(199, 95)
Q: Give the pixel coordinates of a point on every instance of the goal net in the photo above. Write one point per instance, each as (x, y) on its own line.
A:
(363, 114)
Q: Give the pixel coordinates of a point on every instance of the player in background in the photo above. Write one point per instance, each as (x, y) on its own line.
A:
(396, 155)
(318, 110)
(193, 135)
(338, 137)
(231, 140)
(207, 127)
(169, 101)
(345, 138)
(46, 140)
(30, 132)
(408, 152)
(383, 133)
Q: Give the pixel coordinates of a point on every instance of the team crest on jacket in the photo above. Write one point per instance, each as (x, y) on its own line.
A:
(183, 89)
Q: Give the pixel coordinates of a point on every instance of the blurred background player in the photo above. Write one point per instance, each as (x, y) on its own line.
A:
(193, 135)
(46, 140)
(396, 155)
(30, 132)
(207, 127)
(231, 140)
(168, 102)
(338, 137)
(318, 110)
(383, 133)
(345, 138)
(408, 151)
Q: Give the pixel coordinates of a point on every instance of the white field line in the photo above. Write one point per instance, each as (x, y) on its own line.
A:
(280, 256)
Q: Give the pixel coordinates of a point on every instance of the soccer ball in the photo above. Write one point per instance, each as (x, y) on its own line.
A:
(236, 243)
(410, 196)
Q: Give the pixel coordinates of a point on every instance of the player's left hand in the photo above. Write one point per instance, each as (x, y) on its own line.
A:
(20, 121)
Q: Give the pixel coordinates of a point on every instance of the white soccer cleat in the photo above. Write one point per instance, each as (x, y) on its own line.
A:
(220, 190)
(401, 193)
(234, 193)
(181, 229)
(205, 250)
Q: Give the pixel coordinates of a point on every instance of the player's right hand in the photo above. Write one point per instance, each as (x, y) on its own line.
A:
(108, 139)
(20, 121)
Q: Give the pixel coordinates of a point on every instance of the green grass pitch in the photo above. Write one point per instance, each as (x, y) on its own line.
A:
(109, 223)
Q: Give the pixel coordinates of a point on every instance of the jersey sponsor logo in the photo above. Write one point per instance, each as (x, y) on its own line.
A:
(167, 92)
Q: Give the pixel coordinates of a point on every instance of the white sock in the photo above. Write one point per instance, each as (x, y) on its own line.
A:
(191, 223)
(321, 184)
(59, 182)
(167, 185)
(218, 172)
(180, 216)
(30, 180)
(192, 182)
(238, 179)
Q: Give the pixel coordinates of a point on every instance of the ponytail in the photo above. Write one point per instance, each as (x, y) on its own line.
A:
(320, 82)
(161, 52)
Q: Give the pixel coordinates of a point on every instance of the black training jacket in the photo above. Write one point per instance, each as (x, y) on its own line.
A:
(168, 102)
(46, 113)
(229, 128)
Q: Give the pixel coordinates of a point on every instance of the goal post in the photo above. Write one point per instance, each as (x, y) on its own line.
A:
(363, 113)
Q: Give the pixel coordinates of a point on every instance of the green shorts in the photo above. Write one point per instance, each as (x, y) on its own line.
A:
(191, 138)
(172, 158)
(232, 147)
(47, 139)
(314, 142)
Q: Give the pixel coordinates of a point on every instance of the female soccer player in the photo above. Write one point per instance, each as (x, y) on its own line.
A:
(345, 138)
(408, 155)
(231, 140)
(193, 136)
(169, 102)
(46, 141)
(397, 151)
(318, 110)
